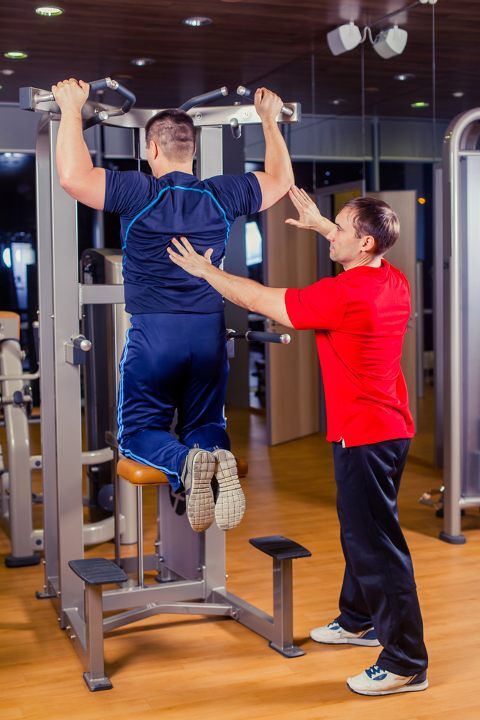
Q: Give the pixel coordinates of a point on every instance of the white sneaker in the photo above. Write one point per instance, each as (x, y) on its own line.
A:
(230, 505)
(334, 634)
(197, 480)
(375, 681)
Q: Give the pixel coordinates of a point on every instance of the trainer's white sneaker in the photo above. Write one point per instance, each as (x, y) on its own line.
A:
(230, 505)
(334, 634)
(197, 480)
(375, 681)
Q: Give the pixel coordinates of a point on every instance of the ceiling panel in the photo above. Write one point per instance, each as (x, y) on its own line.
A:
(277, 43)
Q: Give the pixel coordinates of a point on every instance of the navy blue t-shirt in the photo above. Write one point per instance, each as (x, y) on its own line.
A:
(152, 211)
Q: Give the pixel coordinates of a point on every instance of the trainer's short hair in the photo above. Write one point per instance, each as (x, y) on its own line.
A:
(376, 218)
(174, 132)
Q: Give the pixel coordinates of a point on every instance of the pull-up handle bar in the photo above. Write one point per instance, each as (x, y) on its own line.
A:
(207, 97)
(246, 92)
(96, 86)
(258, 336)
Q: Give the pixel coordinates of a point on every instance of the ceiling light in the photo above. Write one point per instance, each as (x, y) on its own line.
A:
(458, 94)
(15, 55)
(422, 201)
(337, 101)
(197, 21)
(390, 42)
(420, 104)
(7, 71)
(142, 61)
(404, 76)
(344, 38)
(1, 86)
(49, 11)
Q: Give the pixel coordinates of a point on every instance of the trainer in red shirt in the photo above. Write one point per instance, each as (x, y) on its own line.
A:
(360, 319)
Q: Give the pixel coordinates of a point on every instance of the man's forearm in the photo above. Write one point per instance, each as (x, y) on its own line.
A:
(73, 156)
(249, 294)
(277, 159)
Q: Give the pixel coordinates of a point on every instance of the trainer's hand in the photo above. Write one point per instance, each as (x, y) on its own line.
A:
(309, 216)
(188, 259)
(71, 95)
(267, 104)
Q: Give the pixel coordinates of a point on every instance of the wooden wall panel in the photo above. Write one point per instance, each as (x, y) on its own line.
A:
(292, 371)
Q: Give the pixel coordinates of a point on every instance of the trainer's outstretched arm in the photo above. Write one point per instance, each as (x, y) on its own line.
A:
(241, 291)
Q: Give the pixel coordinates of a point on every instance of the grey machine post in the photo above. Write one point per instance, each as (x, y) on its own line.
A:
(62, 353)
(461, 341)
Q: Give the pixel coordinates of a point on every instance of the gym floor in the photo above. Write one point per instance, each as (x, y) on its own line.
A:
(178, 667)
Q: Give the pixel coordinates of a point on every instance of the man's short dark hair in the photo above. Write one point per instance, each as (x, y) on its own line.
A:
(376, 218)
(174, 133)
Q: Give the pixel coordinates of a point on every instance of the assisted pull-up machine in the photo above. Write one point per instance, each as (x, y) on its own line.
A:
(191, 566)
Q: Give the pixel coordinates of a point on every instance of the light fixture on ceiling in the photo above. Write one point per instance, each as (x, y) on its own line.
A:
(197, 21)
(1, 87)
(420, 104)
(15, 55)
(390, 42)
(402, 77)
(49, 11)
(458, 94)
(7, 71)
(344, 38)
(142, 61)
(337, 101)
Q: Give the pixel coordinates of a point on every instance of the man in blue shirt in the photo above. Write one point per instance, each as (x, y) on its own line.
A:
(175, 351)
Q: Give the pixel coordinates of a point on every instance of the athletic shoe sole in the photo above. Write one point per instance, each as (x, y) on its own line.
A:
(200, 503)
(403, 688)
(230, 505)
(348, 641)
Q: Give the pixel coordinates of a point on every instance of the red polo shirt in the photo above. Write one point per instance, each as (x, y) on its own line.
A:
(360, 319)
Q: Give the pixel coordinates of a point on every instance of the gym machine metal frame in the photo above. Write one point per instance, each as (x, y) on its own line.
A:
(461, 180)
(61, 300)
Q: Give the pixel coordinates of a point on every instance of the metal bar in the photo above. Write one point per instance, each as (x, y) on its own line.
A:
(101, 294)
(95, 672)
(247, 614)
(137, 597)
(199, 608)
(138, 117)
(282, 604)
(456, 135)
(139, 537)
(44, 198)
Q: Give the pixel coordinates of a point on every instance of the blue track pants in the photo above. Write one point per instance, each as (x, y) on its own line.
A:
(172, 361)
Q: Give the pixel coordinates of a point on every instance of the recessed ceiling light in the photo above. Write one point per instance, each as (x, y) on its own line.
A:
(197, 21)
(420, 104)
(404, 76)
(49, 11)
(337, 101)
(142, 61)
(458, 94)
(1, 86)
(422, 201)
(7, 71)
(15, 55)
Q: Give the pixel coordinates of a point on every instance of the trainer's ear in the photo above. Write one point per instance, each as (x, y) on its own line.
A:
(368, 243)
